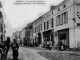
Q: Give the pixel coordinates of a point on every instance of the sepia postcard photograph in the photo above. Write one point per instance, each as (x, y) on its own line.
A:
(39, 29)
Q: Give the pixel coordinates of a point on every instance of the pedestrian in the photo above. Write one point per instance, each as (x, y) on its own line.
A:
(3, 51)
(60, 44)
(7, 44)
(15, 48)
(49, 45)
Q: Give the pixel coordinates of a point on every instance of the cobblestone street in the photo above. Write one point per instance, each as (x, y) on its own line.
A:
(26, 53)
(60, 55)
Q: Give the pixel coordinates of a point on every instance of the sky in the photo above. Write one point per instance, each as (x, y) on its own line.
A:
(18, 16)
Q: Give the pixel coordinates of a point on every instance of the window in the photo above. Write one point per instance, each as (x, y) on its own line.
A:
(35, 29)
(0, 4)
(41, 27)
(64, 6)
(65, 17)
(61, 19)
(0, 27)
(44, 25)
(52, 12)
(78, 24)
(57, 20)
(47, 24)
(38, 28)
(1, 15)
(58, 9)
(52, 23)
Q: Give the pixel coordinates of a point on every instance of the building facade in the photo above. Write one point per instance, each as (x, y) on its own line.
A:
(29, 33)
(2, 25)
(26, 35)
(62, 23)
(16, 35)
(23, 35)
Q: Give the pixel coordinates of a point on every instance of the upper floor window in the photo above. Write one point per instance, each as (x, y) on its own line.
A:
(35, 29)
(61, 19)
(52, 12)
(0, 4)
(57, 20)
(64, 6)
(52, 23)
(58, 9)
(1, 15)
(0, 27)
(44, 25)
(41, 27)
(65, 17)
(47, 24)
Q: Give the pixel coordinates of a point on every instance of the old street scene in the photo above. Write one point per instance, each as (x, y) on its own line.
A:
(39, 30)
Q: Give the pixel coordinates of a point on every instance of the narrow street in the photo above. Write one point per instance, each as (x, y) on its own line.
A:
(27, 54)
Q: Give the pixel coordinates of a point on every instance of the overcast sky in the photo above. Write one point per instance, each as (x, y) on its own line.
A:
(18, 16)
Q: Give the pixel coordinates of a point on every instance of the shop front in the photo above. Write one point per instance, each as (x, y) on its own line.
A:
(63, 36)
(48, 36)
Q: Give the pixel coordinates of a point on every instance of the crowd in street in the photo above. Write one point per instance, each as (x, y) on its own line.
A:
(6, 45)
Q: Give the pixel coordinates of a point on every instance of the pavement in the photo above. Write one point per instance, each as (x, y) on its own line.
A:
(54, 50)
(60, 55)
(27, 54)
(56, 54)
(36, 53)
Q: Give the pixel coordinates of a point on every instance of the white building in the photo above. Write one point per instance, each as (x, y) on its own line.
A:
(22, 34)
(60, 24)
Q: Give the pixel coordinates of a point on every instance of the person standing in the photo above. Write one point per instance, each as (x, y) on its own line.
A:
(15, 48)
(7, 44)
(3, 51)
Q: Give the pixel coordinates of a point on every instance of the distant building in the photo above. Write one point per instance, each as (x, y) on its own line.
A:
(23, 35)
(29, 34)
(16, 35)
(26, 35)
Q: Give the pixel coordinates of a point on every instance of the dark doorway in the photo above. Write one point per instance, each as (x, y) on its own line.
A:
(63, 36)
(39, 38)
(47, 34)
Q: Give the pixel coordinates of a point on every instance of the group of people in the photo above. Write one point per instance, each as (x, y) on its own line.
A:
(6, 45)
(47, 44)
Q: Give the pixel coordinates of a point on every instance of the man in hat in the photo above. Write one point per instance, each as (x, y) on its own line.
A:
(15, 48)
